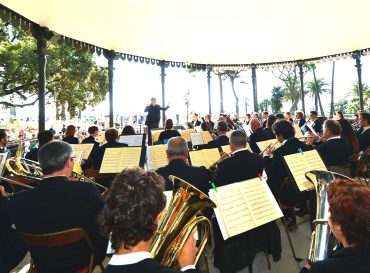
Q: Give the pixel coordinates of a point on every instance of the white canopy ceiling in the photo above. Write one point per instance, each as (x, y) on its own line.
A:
(208, 31)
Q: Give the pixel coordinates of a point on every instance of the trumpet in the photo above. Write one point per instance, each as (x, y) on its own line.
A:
(213, 166)
(270, 146)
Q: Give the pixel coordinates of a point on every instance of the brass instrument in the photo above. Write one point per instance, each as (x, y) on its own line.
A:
(14, 182)
(322, 240)
(270, 146)
(213, 166)
(182, 217)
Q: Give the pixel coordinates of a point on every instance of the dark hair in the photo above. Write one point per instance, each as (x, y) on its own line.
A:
(348, 134)
(238, 138)
(283, 128)
(349, 203)
(2, 133)
(270, 121)
(340, 113)
(313, 113)
(111, 135)
(222, 126)
(288, 113)
(169, 124)
(44, 137)
(53, 156)
(92, 129)
(365, 116)
(333, 126)
(70, 131)
(300, 113)
(132, 204)
(279, 116)
(248, 115)
(128, 130)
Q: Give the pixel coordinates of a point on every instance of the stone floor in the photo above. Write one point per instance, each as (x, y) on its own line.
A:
(287, 264)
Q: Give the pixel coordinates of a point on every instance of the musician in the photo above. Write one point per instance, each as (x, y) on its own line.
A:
(258, 134)
(255, 115)
(247, 119)
(299, 119)
(178, 165)
(168, 131)
(364, 136)
(153, 117)
(222, 138)
(207, 124)
(314, 122)
(279, 116)
(43, 138)
(70, 135)
(270, 121)
(196, 122)
(111, 136)
(349, 221)
(128, 130)
(56, 205)
(265, 116)
(3, 141)
(131, 225)
(339, 115)
(288, 117)
(94, 132)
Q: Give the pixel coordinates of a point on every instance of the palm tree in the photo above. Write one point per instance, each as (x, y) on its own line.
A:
(315, 89)
(232, 75)
(332, 92)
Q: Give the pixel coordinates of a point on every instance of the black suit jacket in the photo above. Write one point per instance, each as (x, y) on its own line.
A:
(259, 135)
(196, 123)
(301, 122)
(32, 155)
(91, 140)
(58, 204)
(243, 165)
(70, 140)
(167, 134)
(204, 127)
(144, 266)
(98, 154)
(197, 176)
(154, 115)
(364, 139)
(218, 142)
(345, 260)
(317, 126)
(334, 152)
(275, 166)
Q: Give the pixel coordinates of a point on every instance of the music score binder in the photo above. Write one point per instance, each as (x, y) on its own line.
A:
(133, 140)
(157, 156)
(262, 145)
(116, 159)
(300, 163)
(85, 148)
(298, 131)
(243, 206)
(186, 134)
(200, 138)
(204, 157)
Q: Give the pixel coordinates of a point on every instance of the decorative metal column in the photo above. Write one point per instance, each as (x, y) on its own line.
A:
(254, 82)
(163, 77)
(357, 56)
(111, 56)
(40, 34)
(300, 65)
(209, 91)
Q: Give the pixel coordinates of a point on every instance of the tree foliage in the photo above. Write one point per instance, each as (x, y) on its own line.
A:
(263, 105)
(277, 97)
(315, 90)
(73, 80)
(232, 75)
(354, 98)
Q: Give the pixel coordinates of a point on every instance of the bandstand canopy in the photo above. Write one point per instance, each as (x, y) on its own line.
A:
(208, 31)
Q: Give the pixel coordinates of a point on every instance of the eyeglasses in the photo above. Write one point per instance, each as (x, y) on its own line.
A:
(72, 158)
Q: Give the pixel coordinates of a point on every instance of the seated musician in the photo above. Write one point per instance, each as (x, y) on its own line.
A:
(131, 225)
(178, 165)
(276, 170)
(288, 117)
(222, 138)
(168, 131)
(69, 135)
(349, 221)
(270, 121)
(333, 149)
(265, 116)
(314, 122)
(3, 141)
(94, 132)
(299, 119)
(195, 121)
(59, 204)
(128, 130)
(364, 135)
(111, 136)
(258, 134)
(43, 138)
(207, 124)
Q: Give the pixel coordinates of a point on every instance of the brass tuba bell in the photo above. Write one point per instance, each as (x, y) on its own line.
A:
(182, 216)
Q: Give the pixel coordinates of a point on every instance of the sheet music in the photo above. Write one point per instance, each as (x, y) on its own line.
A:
(198, 129)
(155, 135)
(116, 159)
(299, 164)
(206, 137)
(243, 206)
(196, 138)
(228, 133)
(78, 155)
(204, 157)
(132, 140)
(298, 131)
(226, 149)
(186, 134)
(311, 128)
(85, 148)
(263, 144)
(157, 156)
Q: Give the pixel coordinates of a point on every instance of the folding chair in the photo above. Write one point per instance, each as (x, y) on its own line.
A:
(59, 239)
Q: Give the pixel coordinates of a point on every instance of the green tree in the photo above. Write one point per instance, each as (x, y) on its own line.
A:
(73, 80)
(354, 98)
(341, 105)
(263, 105)
(232, 75)
(277, 96)
(315, 89)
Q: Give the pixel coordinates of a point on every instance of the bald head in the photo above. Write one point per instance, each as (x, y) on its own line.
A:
(255, 124)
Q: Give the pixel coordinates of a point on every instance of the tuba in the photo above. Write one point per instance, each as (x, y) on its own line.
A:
(322, 240)
(182, 217)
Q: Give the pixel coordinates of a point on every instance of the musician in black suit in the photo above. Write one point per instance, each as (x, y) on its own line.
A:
(58, 204)
(207, 124)
(178, 165)
(153, 117)
(299, 119)
(168, 131)
(196, 122)
(314, 122)
(258, 134)
(265, 116)
(43, 138)
(222, 138)
(131, 225)
(70, 135)
(111, 136)
(94, 132)
(364, 136)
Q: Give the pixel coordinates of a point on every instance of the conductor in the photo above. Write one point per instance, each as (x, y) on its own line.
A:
(153, 117)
